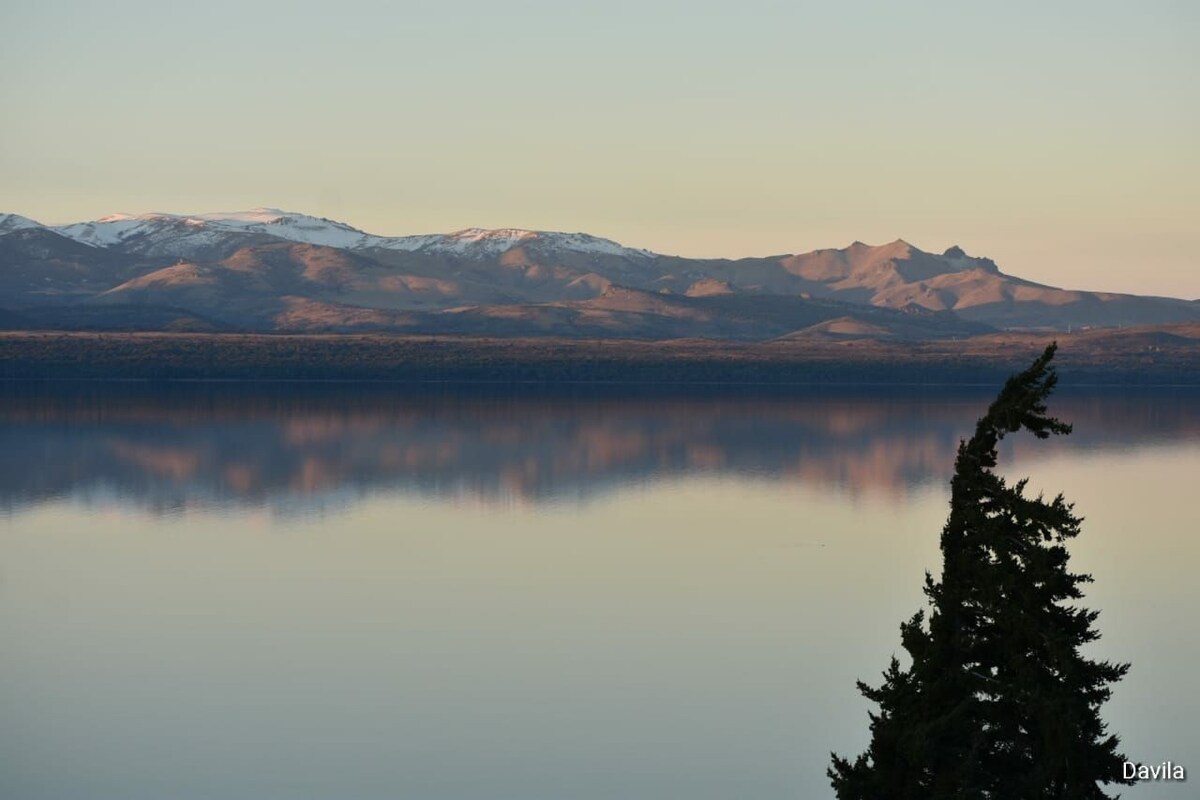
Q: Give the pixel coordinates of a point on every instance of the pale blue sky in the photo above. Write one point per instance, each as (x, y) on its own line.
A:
(1060, 139)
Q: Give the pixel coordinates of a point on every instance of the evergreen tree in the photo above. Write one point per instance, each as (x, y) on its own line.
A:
(999, 702)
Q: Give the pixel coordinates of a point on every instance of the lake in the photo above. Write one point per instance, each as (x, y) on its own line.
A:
(321, 591)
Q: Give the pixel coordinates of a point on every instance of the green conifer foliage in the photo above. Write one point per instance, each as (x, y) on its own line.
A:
(999, 701)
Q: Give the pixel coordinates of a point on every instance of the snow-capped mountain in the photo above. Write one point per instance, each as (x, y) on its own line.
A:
(150, 234)
(187, 235)
(482, 241)
(15, 222)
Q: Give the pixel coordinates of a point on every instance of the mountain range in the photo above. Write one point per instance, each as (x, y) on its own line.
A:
(268, 270)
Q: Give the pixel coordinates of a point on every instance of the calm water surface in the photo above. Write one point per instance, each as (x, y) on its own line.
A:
(312, 592)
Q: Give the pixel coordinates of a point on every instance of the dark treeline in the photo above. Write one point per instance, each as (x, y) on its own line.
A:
(423, 359)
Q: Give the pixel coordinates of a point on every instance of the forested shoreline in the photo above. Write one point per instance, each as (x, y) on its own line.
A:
(1129, 360)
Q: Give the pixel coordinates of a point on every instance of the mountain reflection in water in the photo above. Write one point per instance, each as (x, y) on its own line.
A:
(293, 447)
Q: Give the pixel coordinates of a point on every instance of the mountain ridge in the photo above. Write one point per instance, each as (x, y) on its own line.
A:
(276, 271)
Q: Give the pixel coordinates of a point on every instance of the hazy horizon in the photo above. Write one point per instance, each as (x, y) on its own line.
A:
(1059, 142)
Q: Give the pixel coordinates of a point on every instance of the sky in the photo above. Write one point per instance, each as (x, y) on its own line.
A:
(1060, 139)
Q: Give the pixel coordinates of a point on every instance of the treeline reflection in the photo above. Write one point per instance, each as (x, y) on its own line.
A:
(290, 447)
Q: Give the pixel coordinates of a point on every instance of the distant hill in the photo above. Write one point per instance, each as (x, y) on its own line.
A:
(273, 271)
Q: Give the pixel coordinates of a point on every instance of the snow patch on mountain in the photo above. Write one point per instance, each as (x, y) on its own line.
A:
(107, 231)
(286, 225)
(493, 242)
(15, 222)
